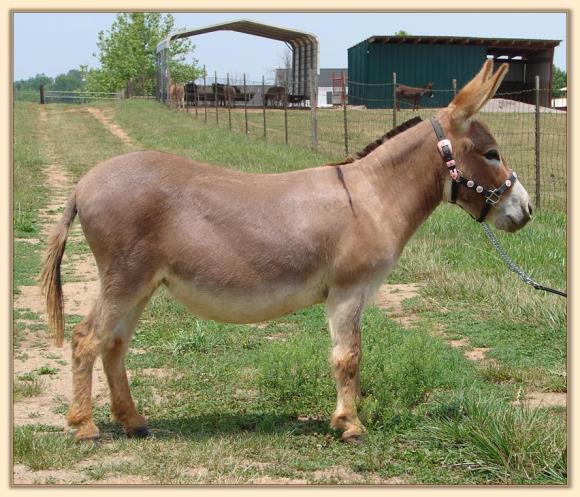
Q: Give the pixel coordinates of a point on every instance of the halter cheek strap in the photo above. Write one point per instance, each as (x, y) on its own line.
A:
(445, 149)
(492, 197)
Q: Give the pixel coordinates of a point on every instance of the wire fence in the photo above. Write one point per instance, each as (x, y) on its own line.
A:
(532, 137)
(531, 134)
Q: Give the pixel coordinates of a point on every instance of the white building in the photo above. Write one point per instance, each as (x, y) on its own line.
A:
(561, 102)
(326, 88)
(328, 95)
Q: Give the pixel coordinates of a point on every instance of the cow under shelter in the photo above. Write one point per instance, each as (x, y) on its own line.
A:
(418, 60)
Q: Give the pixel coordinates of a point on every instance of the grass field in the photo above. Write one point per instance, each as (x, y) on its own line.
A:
(234, 404)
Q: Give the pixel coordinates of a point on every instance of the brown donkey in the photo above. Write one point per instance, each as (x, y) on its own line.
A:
(177, 95)
(243, 248)
(412, 94)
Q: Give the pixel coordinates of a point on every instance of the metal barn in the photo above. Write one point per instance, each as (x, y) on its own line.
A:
(304, 48)
(418, 60)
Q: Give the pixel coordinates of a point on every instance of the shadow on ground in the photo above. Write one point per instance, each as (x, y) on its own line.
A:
(215, 425)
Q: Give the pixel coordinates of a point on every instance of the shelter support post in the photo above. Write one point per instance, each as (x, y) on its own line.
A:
(215, 97)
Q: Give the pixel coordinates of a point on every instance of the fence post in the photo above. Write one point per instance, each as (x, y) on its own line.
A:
(215, 98)
(344, 114)
(264, 105)
(196, 98)
(394, 100)
(205, 93)
(285, 114)
(42, 94)
(227, 88)
(245, 105)
(313, 107)
(454, 86)
(538, 165)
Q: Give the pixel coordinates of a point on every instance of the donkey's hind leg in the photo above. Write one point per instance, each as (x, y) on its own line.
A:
(113, 355)
(345, 307)
(86, 344)
(106, 330)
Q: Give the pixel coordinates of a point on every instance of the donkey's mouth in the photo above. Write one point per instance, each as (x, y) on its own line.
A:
(510, 223)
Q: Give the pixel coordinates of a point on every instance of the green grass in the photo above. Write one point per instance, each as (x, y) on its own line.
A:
(26, 387)
(503, 443)
(29, 194)
(93, 143)
(39, 449)
(233, 403)
(181, 133)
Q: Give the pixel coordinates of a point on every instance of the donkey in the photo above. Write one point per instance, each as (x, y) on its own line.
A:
(275, 96)
(177, 95)
(242, 248)
(412, 94)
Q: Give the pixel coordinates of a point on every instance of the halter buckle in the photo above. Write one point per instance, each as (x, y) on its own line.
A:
(445, 149)
(493, 197)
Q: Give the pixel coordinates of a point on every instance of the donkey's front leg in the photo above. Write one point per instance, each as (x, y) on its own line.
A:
(345, 307)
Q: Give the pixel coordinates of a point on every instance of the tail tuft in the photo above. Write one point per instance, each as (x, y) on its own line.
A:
(50, 280)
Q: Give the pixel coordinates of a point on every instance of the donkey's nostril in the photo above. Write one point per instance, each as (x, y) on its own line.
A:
(530, 208)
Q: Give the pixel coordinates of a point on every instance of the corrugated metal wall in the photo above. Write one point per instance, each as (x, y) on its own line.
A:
(415, 65)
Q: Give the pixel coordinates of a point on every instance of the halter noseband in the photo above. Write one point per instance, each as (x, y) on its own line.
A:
(492, 197)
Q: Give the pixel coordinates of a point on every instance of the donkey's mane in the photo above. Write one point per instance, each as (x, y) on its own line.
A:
(373, 145)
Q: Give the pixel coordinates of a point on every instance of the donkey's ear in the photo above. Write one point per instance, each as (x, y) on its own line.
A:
(476, 93)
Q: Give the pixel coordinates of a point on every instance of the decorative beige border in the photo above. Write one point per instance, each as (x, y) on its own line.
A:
(262, 5)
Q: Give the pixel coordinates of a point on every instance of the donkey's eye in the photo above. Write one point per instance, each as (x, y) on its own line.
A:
(492, 155)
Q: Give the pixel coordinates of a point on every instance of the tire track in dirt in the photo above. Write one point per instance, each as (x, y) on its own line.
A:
(113, 128)
(390, 298)
(35, 353)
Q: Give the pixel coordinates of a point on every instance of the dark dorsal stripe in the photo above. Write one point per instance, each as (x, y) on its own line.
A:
(371, 146)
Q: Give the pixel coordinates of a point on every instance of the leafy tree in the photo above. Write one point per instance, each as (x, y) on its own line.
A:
(559, 80)
(401, 32)
(71, 81)
(127, 53)
(33, 83)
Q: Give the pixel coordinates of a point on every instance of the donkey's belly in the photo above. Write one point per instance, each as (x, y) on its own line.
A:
(246, 306)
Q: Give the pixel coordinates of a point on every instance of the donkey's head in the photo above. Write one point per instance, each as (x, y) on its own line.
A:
(479, 159)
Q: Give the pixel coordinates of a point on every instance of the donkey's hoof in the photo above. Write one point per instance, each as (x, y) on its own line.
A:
(87, 432)
(355, 439)
(353, 436)
(139, 432)
(87, 439)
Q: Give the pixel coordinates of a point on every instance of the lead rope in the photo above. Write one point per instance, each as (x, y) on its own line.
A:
(513, 266)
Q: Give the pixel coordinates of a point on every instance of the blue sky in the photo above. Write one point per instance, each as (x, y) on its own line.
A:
(53, 43)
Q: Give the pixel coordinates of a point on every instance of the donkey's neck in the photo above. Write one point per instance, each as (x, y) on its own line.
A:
(407, 179)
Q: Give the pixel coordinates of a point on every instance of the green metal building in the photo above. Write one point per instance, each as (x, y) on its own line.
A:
(418, 60)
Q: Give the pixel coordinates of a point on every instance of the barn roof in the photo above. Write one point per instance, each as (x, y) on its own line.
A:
(304, 46)
(293, 37)
(495, 46)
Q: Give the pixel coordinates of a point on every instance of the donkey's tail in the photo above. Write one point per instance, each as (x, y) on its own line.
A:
(50, 282)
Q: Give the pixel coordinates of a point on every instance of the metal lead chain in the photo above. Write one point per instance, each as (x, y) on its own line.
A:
(513, 266)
